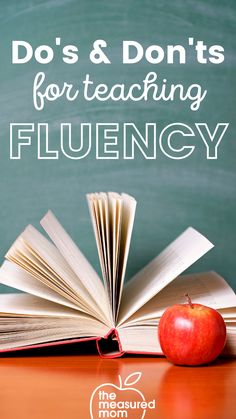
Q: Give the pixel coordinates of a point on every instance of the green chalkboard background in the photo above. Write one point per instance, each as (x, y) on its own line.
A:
(171, 194)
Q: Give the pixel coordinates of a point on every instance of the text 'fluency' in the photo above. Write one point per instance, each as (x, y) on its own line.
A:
(114, 141)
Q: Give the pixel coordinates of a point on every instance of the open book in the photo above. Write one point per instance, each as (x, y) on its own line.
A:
(65, 301)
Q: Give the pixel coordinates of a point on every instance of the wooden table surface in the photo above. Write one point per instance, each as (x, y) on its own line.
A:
(56, 384)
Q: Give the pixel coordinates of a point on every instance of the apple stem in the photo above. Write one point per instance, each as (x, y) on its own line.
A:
(189, 300)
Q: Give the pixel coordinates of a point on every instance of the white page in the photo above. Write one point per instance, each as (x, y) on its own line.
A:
(140, 339)
(112, 218)
(25, 257)
(15, 277)
(102, 228)
(127, 222)
(228, 313)
(107, 235)
(177, 257)
(30, 305)
(105, 216)
(35, 320)
(53, 334)
(51, 257)
(206, 288)
(93, 210)
(100, 209)
(116, 208)
(40, 258)
(76, 260)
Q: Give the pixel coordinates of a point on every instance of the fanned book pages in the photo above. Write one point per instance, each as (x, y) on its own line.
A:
(65, 301)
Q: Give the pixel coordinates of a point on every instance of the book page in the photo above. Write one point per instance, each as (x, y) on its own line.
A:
(27, 320)
(140, 339)
(177, 257)
(106, 212)
(112, 218)
(34, 331)
(87, 276)
(206, 288)
(128, 215)
(29, 305)
(94, 216)
(38, 256)
(228, 313)
(102, 205)
(14, 276)
(116, 211)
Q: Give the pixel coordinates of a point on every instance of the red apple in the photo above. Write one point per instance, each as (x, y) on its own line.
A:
(191, 334)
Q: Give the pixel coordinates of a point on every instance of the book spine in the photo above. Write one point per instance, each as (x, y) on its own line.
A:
(110, 346)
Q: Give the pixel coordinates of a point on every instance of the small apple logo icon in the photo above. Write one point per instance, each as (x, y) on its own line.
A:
(191, 334)
(122, 400)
